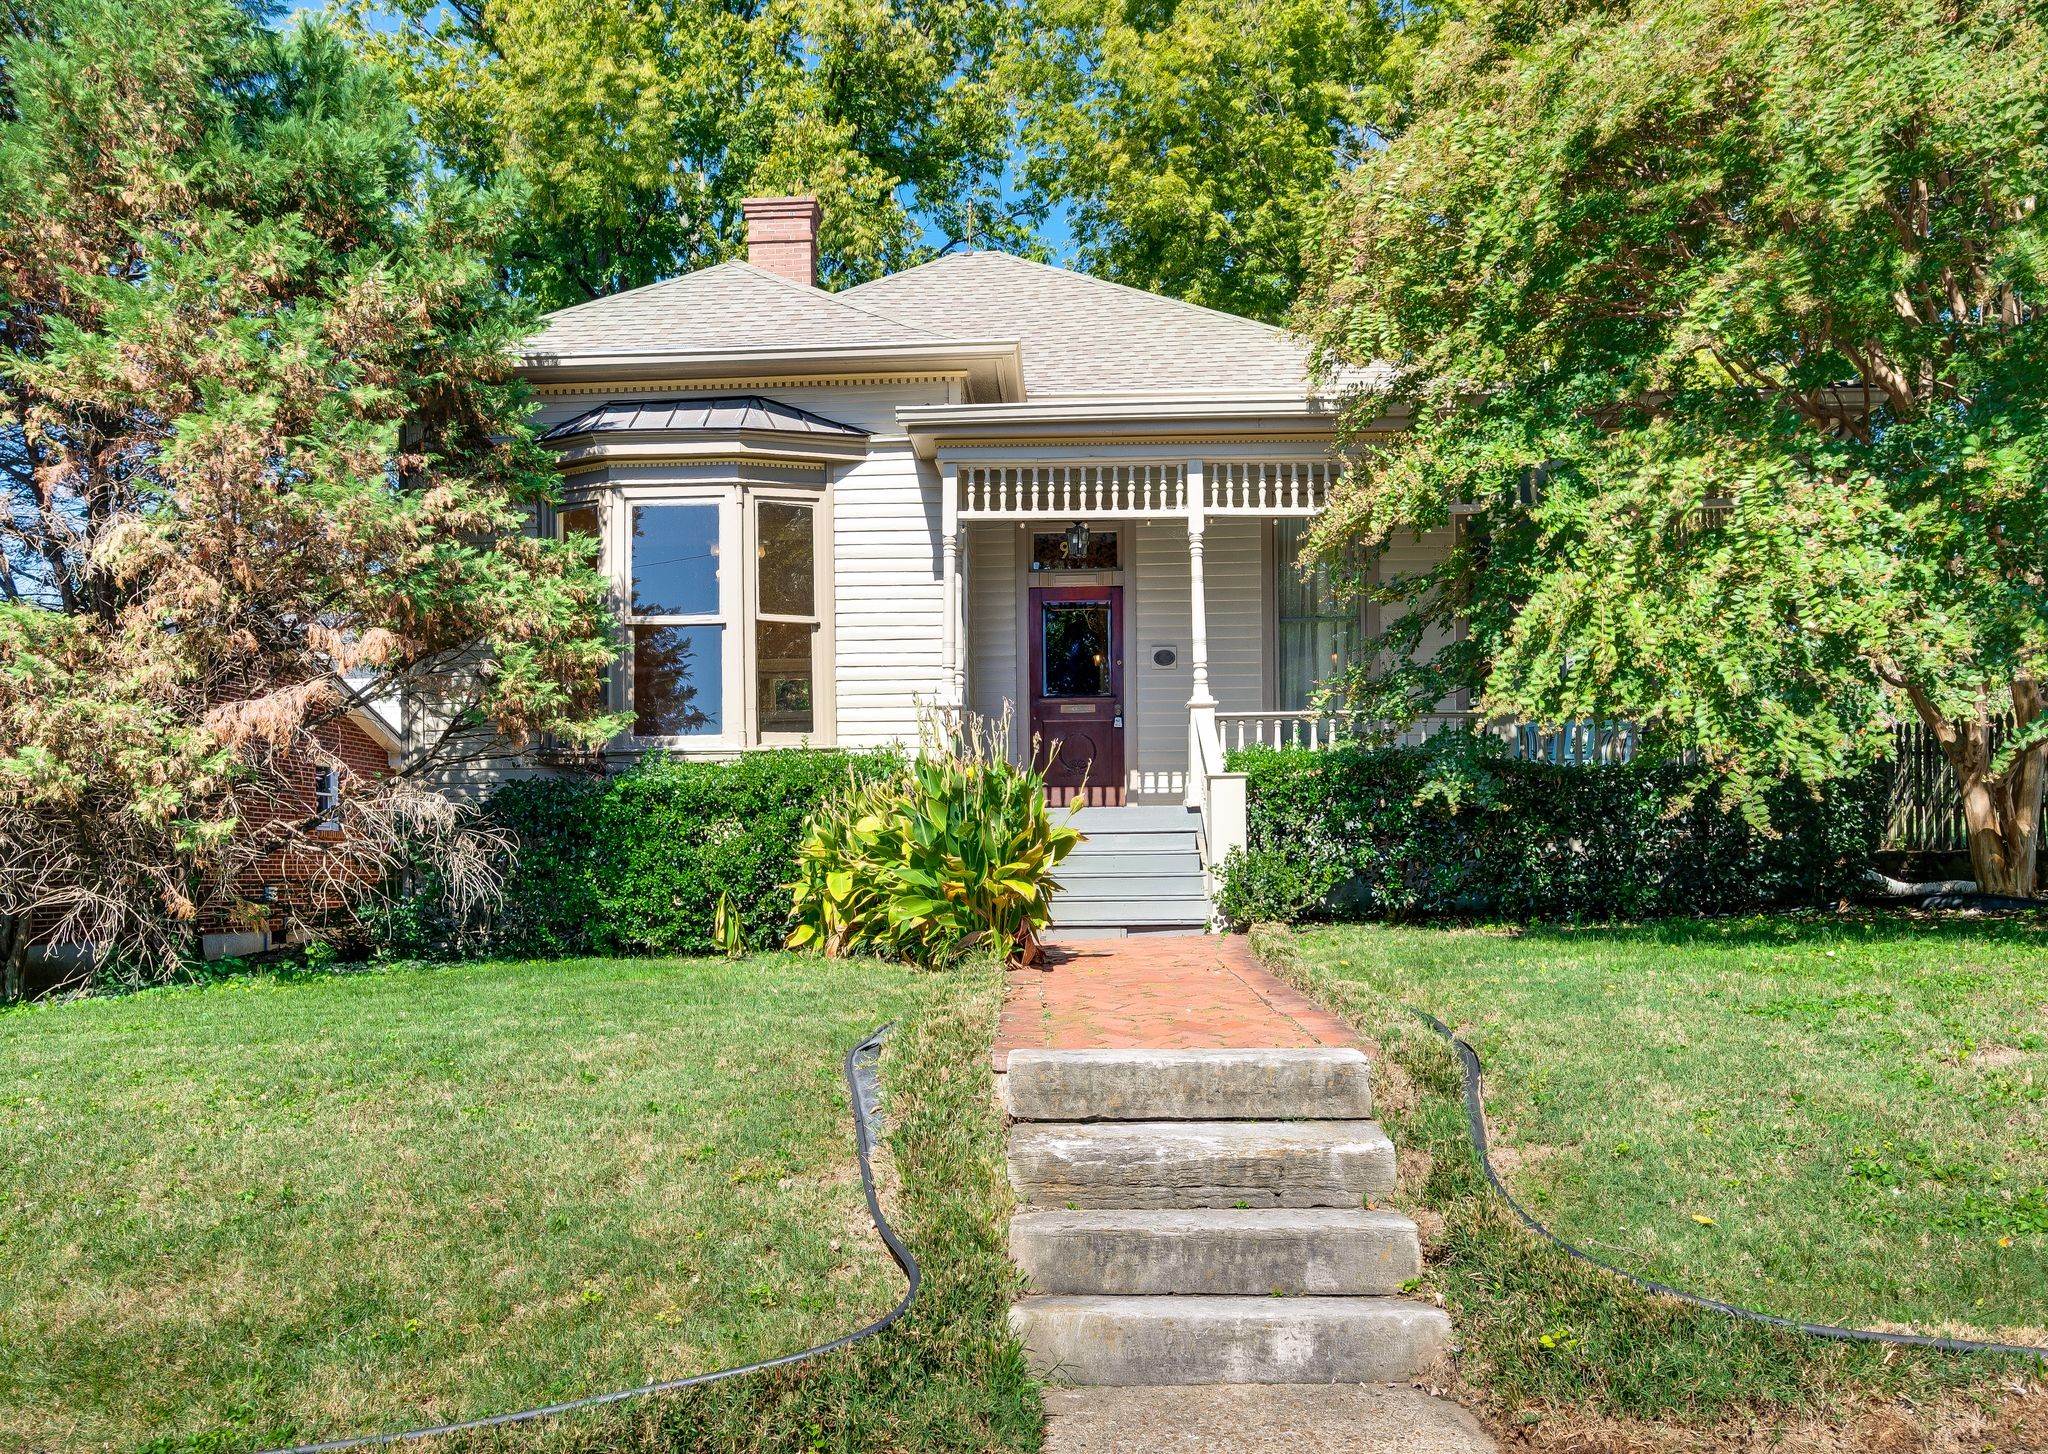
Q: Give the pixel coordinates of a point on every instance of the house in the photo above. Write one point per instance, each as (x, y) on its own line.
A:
(979, 483)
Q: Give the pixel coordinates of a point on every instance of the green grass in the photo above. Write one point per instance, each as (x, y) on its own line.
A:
(1834, 1120)
(271, 1209)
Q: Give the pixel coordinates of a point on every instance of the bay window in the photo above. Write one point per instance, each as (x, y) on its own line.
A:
(721, 593)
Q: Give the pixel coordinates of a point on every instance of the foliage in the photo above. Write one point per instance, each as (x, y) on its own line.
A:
(636, 130)
(257, 432)
(954, 851)
(1194, 142)
(1845, 1097)
(1455, 827)
(643, 862)
(1746, 299)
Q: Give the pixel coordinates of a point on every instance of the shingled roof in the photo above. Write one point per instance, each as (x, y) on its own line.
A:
(1083, 335)
(1079, 335)
(730, 306)
(714, 412)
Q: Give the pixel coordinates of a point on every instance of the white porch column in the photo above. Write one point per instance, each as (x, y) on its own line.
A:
(952, 689)
(1198, 596)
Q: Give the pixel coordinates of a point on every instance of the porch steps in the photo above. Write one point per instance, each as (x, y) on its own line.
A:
(1203, 1216)
(1137, 870)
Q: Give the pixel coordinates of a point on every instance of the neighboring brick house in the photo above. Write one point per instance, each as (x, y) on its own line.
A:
(253, 914)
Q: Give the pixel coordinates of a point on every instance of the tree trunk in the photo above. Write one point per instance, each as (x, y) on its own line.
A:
(2002, 812)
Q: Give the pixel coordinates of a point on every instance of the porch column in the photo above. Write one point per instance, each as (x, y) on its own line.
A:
(952, 689)
(1198, 596)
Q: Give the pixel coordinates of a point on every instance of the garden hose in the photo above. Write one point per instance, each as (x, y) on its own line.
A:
(861, 1062)
(1475, 1120)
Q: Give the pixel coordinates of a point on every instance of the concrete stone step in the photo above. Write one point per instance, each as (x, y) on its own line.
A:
(1321, 1252)
(1199, 1163)
(1079, 911)
(1324, 1084)
(1135, 1341)
(1142, 818)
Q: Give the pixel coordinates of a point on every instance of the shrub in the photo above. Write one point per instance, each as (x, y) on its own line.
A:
(1457, 827)
(954, 850)
(637, 863)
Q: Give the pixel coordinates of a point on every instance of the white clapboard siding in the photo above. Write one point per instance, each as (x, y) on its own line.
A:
(885, 564)
(1409, 553)
(1233, 574)
(992, 679)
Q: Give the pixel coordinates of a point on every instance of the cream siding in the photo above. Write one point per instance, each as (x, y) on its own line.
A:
(1406, 554)
(889, 599)
(994, 677)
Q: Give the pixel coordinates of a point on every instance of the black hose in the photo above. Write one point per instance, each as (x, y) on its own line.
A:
(860, 1084)
(1475, 1120)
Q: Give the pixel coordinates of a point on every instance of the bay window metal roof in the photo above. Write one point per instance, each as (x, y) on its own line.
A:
(720, 413)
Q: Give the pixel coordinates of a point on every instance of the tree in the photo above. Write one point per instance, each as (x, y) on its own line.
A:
(259, 433)
(1722, 318)
(1194, 140)
(636, 129)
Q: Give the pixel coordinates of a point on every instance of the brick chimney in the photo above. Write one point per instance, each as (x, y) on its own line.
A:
(782, 236)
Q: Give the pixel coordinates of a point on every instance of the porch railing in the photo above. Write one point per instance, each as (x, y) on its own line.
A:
(1574, 744)
(1083, 491)
(1273, 488)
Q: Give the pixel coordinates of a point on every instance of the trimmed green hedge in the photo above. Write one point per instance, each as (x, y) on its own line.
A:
(1458, 828)
(635, 863)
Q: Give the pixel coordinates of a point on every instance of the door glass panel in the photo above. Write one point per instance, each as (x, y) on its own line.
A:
(677, 687)
(787, 561)
(782, 668)
(1076, 644)
(675, 560)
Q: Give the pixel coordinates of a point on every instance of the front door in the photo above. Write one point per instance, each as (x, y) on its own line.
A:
(1077, 690)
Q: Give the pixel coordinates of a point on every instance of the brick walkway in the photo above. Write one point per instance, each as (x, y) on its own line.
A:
(1163, 993)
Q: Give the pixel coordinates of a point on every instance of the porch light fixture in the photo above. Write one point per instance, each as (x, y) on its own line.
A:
(1077, 542)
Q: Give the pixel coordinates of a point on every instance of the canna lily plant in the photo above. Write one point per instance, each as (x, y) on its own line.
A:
(954, 852)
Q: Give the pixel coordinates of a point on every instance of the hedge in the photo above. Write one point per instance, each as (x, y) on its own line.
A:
(1456, 828)
(635, 863)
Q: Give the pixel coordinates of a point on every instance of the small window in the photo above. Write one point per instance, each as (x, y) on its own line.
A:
(786, 624)
(577, 522)
(1054, 550)
(327, 798)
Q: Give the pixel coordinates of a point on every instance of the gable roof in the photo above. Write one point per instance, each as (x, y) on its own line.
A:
(1085, 335)
(712, 412)
(730, 306)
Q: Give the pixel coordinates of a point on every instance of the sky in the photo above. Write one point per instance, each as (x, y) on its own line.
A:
(1057, 232)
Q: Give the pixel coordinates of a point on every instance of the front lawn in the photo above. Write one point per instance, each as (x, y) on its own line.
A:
(1835, 1120)
(274, 1210)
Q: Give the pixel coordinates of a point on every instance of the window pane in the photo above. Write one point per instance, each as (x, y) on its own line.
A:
(788, 560)
(675, 560)
(577, 520)
(678, 690)
(782, 670)
(1320, 636)
(1049, 552)
(1076, 650)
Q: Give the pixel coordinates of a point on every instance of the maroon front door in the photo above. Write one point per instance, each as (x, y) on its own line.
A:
(1077, 689)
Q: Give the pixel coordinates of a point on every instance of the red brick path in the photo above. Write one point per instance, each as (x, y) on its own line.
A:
(1164, 993)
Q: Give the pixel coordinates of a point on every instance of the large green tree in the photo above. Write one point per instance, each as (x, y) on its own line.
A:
(1193, 141)
(259, 433)
(1722, 319)
(636, 129)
